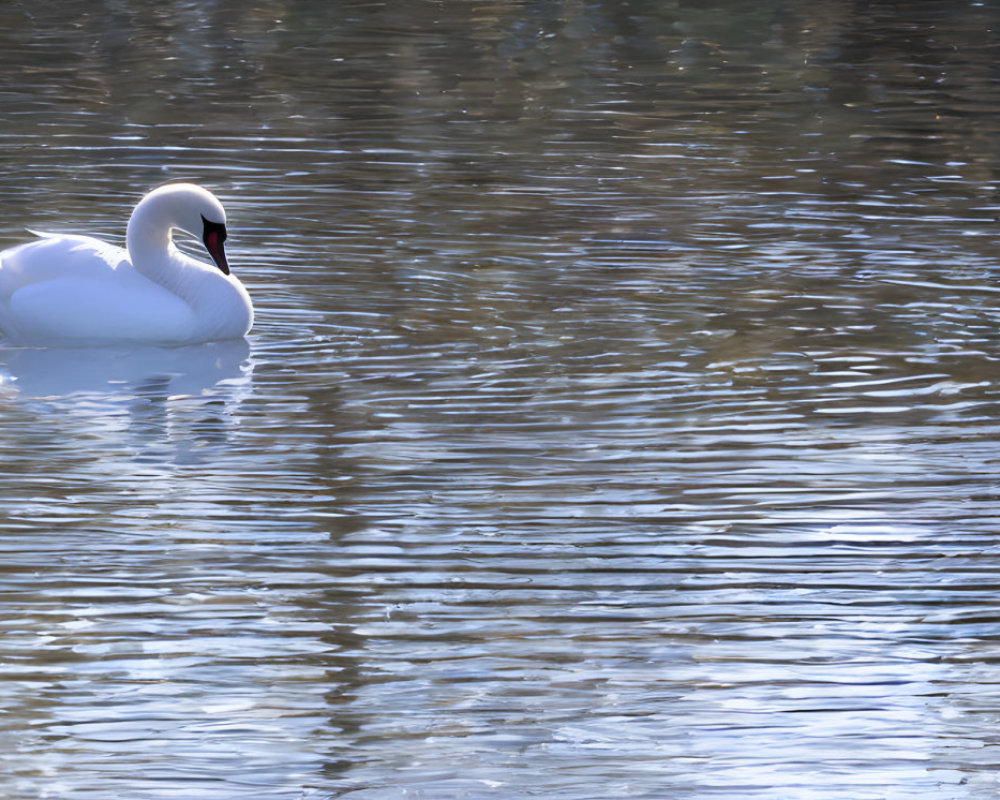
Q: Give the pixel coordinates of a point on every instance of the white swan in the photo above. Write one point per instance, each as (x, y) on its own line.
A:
(76, 291)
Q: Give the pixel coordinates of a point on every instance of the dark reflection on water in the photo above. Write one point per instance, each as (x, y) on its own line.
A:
(620, 419)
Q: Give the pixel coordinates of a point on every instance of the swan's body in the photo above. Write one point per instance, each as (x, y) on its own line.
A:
(64, 290)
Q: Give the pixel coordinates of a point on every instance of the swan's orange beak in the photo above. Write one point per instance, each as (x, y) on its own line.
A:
(214, 236)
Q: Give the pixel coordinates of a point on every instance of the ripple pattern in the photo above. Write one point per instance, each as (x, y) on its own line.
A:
(620, 418)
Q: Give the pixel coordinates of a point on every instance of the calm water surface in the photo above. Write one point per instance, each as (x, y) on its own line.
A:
(621, 418)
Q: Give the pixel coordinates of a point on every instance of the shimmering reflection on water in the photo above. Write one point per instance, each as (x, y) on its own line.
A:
(620, 420)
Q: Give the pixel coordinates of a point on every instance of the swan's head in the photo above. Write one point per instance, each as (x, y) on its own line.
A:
(189, 208)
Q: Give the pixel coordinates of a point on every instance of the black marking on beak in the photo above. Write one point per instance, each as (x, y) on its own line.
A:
(213, 237)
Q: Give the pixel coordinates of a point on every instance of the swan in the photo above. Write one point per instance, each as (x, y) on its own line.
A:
(66, 290)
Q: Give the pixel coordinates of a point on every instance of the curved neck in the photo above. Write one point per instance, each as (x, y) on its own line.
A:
(150, 246)
(148, 238)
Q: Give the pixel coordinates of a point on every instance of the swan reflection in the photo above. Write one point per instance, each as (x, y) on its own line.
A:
(121, 372)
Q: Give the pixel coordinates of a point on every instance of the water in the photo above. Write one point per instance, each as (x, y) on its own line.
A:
(620, 419)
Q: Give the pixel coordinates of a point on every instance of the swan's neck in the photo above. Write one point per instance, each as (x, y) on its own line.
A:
(152, 250)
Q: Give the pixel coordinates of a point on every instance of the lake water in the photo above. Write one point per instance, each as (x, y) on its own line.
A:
(621, 419)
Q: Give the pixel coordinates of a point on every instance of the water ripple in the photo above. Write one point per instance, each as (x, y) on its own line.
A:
(619, 419)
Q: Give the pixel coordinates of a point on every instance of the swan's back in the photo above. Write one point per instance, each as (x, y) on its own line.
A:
(53, 256)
